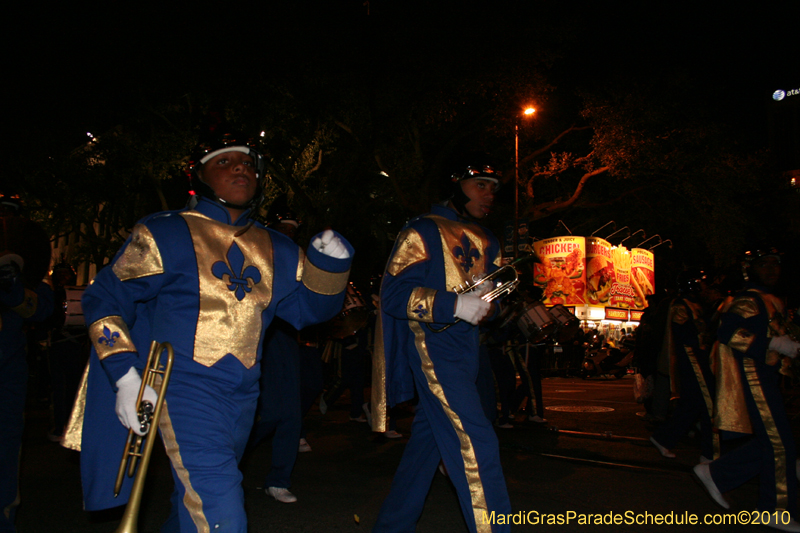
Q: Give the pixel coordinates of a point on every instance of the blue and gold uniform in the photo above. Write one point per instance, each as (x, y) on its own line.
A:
(433, 254)
(692, 381)
(195, 279)
(749, 376)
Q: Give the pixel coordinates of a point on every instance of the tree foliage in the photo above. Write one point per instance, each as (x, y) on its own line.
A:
(363, 123)
(668, 166)
(96, 192)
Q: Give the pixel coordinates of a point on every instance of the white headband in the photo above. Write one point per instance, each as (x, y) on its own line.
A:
(215, 153)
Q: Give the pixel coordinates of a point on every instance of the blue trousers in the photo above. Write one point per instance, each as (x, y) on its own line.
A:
(449, 421)
(485, 383)
(205, 434)
(279, 410)
(505, 375)
(311, 380)
(13, 386)
(691, 407)
(771, 453)
(352, 373)
(530, 380)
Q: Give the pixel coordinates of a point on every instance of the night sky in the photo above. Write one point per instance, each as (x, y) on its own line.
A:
(72, 70)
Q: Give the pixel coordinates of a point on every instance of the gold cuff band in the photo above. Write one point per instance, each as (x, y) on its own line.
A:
(110, 336)
(323, 282)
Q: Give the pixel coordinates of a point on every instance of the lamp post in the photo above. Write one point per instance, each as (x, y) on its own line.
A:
(528, 112)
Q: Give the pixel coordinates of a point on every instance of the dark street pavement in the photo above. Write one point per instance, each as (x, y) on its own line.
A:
(594, 461)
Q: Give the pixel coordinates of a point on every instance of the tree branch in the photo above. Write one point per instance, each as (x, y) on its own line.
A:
(544, 210)
(552, 143)
(316, 167)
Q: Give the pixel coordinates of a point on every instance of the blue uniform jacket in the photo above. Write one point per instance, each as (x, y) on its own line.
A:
(433, 254)
(186, 277)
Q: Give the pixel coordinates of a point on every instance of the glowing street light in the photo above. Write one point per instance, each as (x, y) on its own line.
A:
(527, 112)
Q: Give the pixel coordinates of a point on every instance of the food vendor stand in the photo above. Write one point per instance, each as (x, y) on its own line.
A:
(605, 286)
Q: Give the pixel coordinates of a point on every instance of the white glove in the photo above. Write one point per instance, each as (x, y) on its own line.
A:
(471, 308)
(483, 288)
(331, 245)
(128, 390)
(784, 345)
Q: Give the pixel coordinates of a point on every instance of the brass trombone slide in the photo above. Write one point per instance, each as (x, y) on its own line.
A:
(140, 448)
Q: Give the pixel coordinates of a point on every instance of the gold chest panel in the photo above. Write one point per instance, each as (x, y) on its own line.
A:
(235, 286)
(464, 251)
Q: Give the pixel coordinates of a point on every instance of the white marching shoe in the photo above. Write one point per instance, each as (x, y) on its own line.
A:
(703, 474)
(663, 451)
(281, 494)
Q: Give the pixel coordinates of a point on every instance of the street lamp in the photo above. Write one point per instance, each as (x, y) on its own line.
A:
(528, 112)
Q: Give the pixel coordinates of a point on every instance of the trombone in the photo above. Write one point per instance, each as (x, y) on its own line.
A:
(139, 448)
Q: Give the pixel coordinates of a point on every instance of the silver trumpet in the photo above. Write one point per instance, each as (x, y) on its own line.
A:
(505, 280)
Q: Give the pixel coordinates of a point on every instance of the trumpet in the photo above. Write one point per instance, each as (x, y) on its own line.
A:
(140, 448)
(505, 280)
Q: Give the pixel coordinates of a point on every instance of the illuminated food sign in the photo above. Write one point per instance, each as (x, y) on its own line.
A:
(616, 314)
(622, 294)
(590, 270)
(561, 273)
(642, 276)
(600, 274)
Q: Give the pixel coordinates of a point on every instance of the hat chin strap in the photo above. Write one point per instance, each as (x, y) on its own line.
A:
(204, 190)
(231, 205)
(460, 201)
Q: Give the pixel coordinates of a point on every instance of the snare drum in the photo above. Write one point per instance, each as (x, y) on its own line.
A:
(568, 324)
(536, 322)
(352, 301)
(354, 315)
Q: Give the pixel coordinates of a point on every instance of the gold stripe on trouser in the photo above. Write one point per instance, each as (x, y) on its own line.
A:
(781, 484)
(378, 397)
(192, 500)
(467, 450)
(701, 380)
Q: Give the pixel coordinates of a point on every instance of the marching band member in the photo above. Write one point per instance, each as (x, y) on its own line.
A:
(688, 344)
(753, 344)
(279, 412)
(209, 281)
(24, 298)
(434, 253)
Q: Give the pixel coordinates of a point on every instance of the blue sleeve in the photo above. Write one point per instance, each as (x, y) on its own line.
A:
(411, 290)
(112, 301)
(319, 295)
(408, 296)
